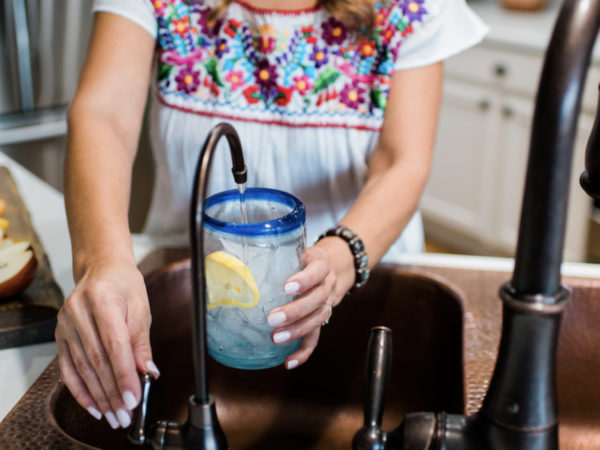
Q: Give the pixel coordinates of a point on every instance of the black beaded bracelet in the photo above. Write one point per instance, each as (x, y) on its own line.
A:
(357, 248)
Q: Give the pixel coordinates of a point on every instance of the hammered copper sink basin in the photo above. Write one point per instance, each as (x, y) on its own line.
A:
(445, 340)
(319, 405)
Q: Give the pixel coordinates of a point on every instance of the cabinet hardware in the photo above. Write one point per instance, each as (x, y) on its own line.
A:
(484, 104)
(507, 111)
(500, 70)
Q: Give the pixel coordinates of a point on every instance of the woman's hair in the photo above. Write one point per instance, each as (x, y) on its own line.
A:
(354, 14)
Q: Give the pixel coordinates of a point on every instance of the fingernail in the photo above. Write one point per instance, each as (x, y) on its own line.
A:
(124, 418)
(282, 336)
(292, 363)
(291, 288)
(276, 318)
(112, 420)
(152, 368)
(129, 400)
(94, 413)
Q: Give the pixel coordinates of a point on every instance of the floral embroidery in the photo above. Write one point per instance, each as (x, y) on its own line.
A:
(298, 73)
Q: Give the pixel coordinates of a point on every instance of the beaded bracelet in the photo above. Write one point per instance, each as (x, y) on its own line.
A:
(358, 252)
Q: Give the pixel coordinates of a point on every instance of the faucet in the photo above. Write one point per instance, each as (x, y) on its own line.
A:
(519, 411)
(202, 429)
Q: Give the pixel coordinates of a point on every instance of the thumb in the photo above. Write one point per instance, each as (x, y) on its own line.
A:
(142, 352)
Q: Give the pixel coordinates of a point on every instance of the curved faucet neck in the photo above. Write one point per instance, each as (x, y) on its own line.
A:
(196, 225)
(543, 216)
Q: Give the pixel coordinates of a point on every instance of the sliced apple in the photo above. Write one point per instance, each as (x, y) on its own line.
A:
(18, 265)
(6, 242)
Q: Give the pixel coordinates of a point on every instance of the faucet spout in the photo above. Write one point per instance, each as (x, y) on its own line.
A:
(558, 101)
(202, 429)
(199, 191)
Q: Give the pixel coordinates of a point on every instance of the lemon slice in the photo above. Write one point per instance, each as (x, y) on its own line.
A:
(229, 282)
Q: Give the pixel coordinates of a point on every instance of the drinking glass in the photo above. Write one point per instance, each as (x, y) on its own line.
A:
(262, 230)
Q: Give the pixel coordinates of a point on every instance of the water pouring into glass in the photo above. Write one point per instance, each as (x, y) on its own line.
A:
(253, 241)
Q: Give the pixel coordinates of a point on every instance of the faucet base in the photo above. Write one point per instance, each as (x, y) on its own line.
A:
(441, 431)
(201, 431)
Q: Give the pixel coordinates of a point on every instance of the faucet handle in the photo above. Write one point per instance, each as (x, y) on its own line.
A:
(137, 431)
(379, 356)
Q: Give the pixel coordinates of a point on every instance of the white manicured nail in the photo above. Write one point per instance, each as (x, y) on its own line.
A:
(292, 363)
(129, 400)
(94, 413)
(152, 368)
(276, 318)
(282, 336)
(124, 418)
(291, 288)
(112, 420)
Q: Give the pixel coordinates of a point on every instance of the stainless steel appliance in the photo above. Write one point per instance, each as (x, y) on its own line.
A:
(42, 47)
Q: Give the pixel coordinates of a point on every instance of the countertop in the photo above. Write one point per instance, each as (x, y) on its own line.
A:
(526, 31)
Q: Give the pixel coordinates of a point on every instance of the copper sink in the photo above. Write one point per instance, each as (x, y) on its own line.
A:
(445, 340)
(317, 406)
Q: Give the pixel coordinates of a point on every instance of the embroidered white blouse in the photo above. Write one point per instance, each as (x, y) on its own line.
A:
(306, 96)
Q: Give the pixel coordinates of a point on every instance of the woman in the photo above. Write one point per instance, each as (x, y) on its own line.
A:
(335, 101)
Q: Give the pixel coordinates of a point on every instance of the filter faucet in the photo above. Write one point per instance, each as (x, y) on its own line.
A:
(202, 430)
(520, 411)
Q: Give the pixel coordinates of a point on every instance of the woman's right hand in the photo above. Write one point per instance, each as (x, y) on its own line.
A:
(103, 340)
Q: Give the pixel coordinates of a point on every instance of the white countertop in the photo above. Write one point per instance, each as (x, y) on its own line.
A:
(520, 29)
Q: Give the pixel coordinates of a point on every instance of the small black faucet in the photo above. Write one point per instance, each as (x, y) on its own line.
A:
(520, 410)
(202, 430)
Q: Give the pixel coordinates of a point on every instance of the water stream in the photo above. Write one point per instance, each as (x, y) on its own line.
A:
(243, 219)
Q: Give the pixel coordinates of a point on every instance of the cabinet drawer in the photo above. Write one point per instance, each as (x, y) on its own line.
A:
(512, 70)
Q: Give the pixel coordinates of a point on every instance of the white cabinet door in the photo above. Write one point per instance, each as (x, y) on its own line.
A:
(511, 152)
(456, 199)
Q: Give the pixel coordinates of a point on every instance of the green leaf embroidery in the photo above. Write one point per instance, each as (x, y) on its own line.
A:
(211, 68)
(378, 98)
(326, 79)
(164, 70)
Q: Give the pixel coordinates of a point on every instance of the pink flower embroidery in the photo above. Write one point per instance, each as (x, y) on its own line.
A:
(302, 84)
(235, 79)
(267, 44)
(159, 6)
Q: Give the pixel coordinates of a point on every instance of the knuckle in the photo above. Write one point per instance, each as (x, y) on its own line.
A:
(113, 344)
(82, 367)
(70, 305)
(98, 359)
(98, 289)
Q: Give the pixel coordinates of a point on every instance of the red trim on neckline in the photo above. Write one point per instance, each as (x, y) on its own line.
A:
(282, 12)
(282, 123)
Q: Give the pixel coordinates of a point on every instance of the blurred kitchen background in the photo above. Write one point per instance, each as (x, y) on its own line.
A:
(472, 203)
(42, 47)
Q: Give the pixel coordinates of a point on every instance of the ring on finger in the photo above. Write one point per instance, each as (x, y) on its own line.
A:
(330, 313)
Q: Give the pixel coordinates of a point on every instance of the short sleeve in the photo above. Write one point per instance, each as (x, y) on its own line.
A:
(445, 28)
(140, 12)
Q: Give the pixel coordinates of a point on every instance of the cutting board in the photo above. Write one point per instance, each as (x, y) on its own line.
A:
(29, 317)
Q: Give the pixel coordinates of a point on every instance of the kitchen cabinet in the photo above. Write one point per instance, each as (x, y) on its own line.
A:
(473, 198)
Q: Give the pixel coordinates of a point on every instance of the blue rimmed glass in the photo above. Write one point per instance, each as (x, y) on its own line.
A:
(271, 244)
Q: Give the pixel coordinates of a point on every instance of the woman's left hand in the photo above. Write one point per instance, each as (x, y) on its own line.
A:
(327, 276)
